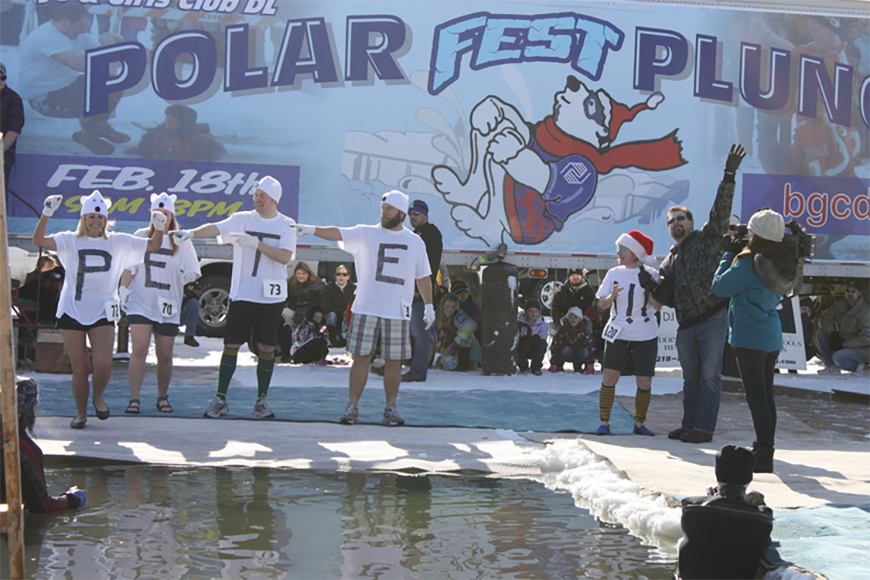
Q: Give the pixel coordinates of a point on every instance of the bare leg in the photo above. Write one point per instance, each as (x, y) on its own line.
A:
(392, 378)
(359, 374)
(74, 341)
(141, 337)
(163, 346)
(102, 347)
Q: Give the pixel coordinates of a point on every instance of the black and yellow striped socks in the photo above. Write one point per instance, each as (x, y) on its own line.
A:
(605, 402)
(641, 405)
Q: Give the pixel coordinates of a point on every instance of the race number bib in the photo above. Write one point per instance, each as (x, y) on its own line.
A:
(113, 310)
(406, 310)
(275, 289)
(611, 331)
(168, 308)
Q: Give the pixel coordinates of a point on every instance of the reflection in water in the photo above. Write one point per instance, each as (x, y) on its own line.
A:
(149, 521)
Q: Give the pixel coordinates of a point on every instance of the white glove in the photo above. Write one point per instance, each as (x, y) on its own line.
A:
(158, 220)
(123, 296)
(288, 315)
(429, 316)
(303, 230)
(50, 205)
(188, 277)
(181, 236)
(246, 240)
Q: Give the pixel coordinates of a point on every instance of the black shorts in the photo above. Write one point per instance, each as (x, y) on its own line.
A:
(67, 322)
(263, 320)
(639, 356)
(161, 328)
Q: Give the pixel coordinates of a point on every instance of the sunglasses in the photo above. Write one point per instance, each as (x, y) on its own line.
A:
(678, 218)
(2, 77)
(342, 274)
(622, 249)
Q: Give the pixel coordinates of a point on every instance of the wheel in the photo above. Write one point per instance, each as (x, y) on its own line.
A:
(546, 291)
(214, 301)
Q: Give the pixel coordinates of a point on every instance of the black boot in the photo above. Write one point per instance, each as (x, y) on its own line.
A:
(763, 458)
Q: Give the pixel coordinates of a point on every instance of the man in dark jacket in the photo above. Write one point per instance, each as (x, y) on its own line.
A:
(577, 292)
(418, 214)
(686, 275)
(335, 298)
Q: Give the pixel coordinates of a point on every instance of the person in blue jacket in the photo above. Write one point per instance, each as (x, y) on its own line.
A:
(756, 273)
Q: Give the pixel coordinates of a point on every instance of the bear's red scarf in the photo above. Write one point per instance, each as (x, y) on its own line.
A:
(655, 155)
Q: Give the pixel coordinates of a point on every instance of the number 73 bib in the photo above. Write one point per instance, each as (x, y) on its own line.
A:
(275, 289)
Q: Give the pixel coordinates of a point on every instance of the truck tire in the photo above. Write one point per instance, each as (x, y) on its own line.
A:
(545, 292)
(214, 301)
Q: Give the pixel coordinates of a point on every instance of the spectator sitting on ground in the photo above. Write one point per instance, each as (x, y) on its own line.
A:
(809, 326)
(467, 303)
(727, 531)
(844, 336)
(311, 339)
(573, 343)
(532, 331)
(454, 346)
(336, 295)
(181, 138)
(304, 290)
(34, 492)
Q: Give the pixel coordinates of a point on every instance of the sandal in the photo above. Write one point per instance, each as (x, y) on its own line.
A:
(132, 407)
(163, 405)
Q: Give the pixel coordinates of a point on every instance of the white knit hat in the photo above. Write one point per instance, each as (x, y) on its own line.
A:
(163, 201)
(272, 187)
(767, 224)
(640, 245)
(95, 203)
(397, 199)
(575, 310)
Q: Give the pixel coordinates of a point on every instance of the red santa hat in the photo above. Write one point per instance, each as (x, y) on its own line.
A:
(640, 245)
(620, 113)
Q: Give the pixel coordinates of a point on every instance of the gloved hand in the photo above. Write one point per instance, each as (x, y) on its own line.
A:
(188, 277)
(158, 220)
(247, 240)
(303, 230)
(288, 314)
(123, 296)
(429, 316)
(645, 279)
(730, 244)
(76, 496)
(181, 236)
(50, 205)
(735, 156)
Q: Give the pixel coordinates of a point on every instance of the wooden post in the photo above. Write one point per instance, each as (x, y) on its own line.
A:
(9, 402)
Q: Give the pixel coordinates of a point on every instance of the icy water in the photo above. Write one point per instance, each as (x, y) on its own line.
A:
(160, 522)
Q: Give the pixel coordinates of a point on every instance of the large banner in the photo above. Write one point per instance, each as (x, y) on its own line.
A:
(551, 126)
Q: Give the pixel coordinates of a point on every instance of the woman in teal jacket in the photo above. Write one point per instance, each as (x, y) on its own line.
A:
(756, 277)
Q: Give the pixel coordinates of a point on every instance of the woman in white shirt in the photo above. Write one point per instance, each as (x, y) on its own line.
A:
(631, 335)
(88, 307)
(151, 295)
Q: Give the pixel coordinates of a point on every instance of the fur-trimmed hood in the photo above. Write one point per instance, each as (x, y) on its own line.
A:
(777, 270)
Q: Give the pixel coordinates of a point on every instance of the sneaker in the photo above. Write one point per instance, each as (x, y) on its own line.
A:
(216, 408)
(642, 430)
(322, 362)
(263, 410)
(412, 377)
(554, 369)
(857, 373)
(590, 369)
(829, 370)
(351, 414)
(695, 436)
(677, 433)
(190, 341)
(537, 372)
(603, 430)
(392, 416)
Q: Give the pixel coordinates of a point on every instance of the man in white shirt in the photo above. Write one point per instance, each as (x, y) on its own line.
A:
(264, 242)
(390, 261)
(52, 79)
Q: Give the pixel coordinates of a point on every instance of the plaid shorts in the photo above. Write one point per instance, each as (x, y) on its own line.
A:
(368, 332)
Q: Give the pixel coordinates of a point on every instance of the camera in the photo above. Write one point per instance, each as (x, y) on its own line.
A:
(799, 240)
(739, 231)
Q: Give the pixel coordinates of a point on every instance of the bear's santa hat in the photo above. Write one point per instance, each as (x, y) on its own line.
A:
(620, 113)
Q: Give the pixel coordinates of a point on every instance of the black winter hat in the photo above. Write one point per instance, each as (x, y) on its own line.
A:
(311, 310)
(734, 465)
(458, 286)
(532, 303)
